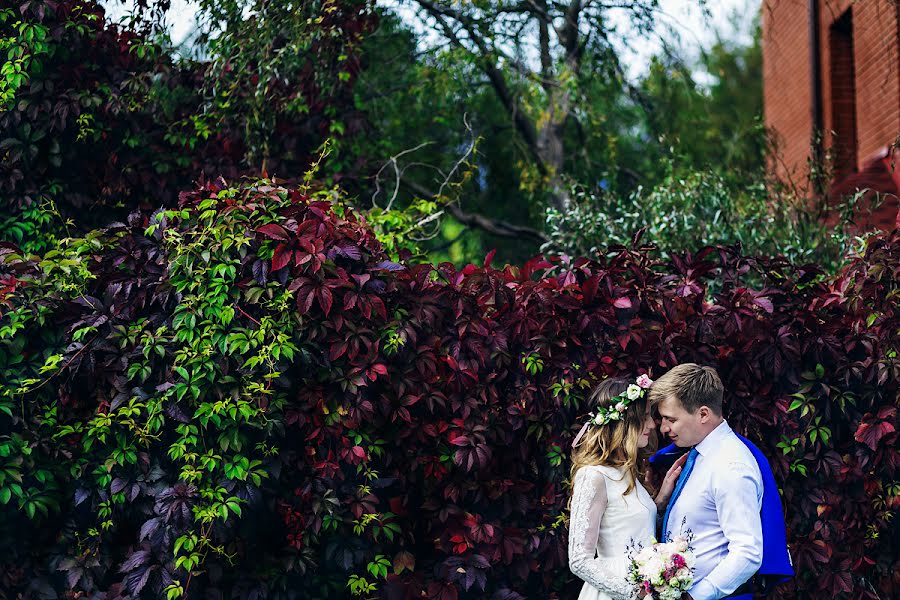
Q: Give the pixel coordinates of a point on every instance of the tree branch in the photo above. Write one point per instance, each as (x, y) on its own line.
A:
(524, 125)
(495, 227)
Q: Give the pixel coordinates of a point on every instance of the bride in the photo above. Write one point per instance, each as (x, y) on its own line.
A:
(609, 508)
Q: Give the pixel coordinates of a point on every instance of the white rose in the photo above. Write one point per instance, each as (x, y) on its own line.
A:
(653, 567)
(633, 392)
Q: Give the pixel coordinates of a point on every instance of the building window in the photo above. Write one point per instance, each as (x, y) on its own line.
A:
(843, 96)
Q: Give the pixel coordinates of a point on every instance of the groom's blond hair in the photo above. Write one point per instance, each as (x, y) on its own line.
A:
(694, 385)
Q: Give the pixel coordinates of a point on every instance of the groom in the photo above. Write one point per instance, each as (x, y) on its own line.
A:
(719, 494)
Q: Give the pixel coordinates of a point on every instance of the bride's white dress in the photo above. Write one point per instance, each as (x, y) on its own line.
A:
(602, 524)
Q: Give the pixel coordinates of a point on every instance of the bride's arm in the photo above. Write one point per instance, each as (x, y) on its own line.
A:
(588, 505)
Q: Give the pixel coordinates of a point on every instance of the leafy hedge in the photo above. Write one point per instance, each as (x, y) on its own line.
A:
(704, 207)
(98, 119)
(243, 397)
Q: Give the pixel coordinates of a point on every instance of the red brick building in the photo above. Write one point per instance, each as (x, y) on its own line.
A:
(833, 66)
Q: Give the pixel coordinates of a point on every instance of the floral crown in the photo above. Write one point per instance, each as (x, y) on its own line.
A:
(617, 406)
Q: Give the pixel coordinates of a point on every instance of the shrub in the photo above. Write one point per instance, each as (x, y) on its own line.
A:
(244, 397)
(692, 209)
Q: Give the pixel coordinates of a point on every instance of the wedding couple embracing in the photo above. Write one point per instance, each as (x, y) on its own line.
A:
(718, 506)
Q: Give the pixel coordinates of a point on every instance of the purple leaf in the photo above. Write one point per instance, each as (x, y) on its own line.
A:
(136, 559)
(387, 265)
(149, 528)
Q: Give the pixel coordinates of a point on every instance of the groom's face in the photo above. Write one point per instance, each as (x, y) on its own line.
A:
(683, 428)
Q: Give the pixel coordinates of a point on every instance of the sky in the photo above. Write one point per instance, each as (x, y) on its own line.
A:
(730, 18)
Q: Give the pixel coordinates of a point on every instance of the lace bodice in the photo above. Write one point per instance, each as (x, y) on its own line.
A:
(603, 523)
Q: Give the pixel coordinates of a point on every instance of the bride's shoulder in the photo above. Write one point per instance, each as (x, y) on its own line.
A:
(595, 471)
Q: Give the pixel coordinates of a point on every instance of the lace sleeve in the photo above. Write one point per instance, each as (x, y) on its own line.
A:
(588, 505)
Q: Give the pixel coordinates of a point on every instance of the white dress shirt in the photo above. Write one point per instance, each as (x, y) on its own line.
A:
(720, 505)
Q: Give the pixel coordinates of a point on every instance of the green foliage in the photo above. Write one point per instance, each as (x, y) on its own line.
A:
(24, 46)
(701, 208)
(276, 65)
(223, 443)
(619, 136)
(715, 125)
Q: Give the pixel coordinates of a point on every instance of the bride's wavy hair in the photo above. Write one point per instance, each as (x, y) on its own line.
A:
(616, 443)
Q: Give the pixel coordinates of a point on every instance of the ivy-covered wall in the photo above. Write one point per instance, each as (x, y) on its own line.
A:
(244, 397)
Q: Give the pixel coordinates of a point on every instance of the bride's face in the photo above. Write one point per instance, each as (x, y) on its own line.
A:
(649, 426)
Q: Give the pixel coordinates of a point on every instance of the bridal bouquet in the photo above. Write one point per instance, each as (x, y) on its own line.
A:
(663, 570)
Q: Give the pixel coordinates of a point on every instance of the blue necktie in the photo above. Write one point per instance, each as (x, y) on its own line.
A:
(679, 485)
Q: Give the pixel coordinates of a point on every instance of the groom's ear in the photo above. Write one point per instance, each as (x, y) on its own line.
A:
(705, 414)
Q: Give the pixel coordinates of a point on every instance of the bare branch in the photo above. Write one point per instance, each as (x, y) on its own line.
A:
(462, 159)
(495, 227)
(392, 161)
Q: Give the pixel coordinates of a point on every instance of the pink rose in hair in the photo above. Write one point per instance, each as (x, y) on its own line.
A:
(644, 382)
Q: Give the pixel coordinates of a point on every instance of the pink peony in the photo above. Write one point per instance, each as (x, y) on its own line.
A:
(678, 561)
(644, 382)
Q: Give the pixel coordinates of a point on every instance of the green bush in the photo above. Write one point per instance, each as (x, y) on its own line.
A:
(690, 210)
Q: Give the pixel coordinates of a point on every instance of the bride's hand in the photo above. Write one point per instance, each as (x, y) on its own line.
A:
(668, 484)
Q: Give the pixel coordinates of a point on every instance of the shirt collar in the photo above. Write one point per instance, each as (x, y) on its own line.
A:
(712, 439)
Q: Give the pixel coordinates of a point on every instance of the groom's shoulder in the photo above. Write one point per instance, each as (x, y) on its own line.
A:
(731, 451)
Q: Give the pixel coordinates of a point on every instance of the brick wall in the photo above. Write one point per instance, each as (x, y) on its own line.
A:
(877, 58)
(786, 73)
(786, 82)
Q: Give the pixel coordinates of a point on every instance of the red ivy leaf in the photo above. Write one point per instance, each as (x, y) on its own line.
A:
(281, 257)
(871, 432)
(442, 591)
(404, 560)
(489, 258)
(323, 295)
(589, 288)
(275, 232)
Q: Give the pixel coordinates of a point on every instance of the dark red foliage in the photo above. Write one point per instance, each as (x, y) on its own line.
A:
(466, 474)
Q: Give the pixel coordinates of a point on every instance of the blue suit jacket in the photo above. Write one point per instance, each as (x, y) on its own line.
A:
(776, 560)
